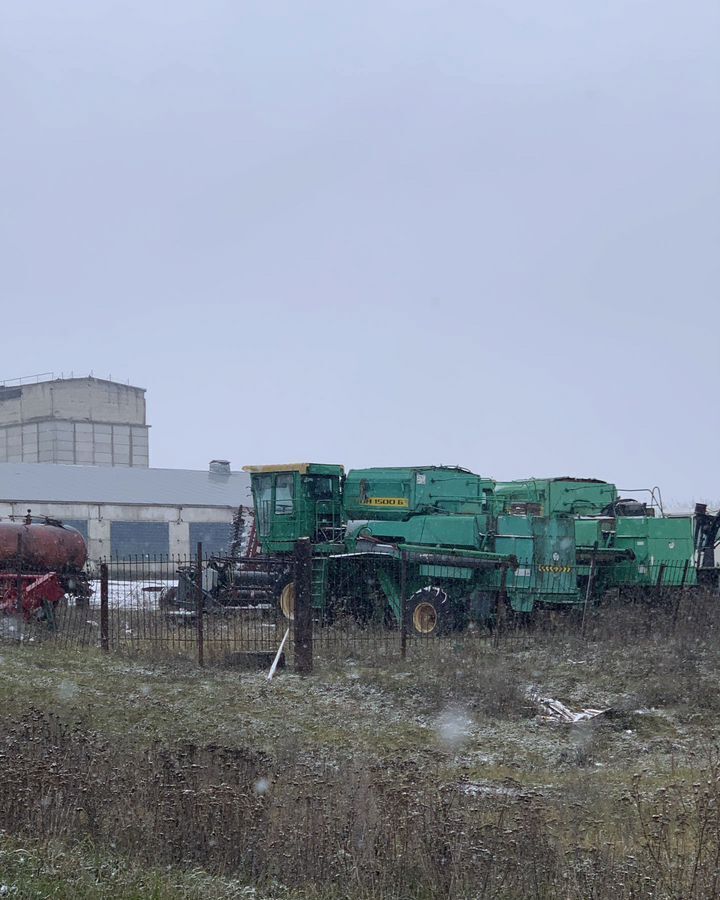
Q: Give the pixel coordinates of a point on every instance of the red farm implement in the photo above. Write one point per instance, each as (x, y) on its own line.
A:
(30, 594)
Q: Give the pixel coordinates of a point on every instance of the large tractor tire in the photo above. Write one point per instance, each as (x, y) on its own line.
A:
(285, 602)
(285, 597)
(428, 613)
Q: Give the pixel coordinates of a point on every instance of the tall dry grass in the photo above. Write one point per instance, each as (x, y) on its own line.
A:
(358, 828)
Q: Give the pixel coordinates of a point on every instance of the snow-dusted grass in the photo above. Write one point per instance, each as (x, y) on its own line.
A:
(418, 778)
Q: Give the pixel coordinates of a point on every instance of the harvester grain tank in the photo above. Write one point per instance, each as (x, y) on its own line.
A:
(556, 496)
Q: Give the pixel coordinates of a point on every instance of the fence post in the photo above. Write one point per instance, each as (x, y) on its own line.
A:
(104, 630)
(501, 607)
(302, 624)
(199, 610)
(589, 588)
(18, 580)
(403, 603)
(679, 593)
(660, 579)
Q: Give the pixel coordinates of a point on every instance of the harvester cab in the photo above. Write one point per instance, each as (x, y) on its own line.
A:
(299, 500)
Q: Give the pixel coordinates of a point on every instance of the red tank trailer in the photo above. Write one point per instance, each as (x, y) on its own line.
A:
(48, 545)
(40, 562)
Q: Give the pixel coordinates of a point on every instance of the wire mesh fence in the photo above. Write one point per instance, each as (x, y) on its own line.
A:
(160, 605)
(324, 609)
(220, 607)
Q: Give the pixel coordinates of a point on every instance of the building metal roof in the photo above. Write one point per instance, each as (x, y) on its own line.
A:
(53, 483)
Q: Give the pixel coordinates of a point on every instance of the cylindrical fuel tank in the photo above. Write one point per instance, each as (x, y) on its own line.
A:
(44, 546)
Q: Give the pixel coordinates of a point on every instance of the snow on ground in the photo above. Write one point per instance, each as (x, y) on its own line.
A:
(131, 594)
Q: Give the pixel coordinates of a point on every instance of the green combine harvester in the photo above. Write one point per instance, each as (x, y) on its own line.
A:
(461, 542)
(436, 526)
(630, 545)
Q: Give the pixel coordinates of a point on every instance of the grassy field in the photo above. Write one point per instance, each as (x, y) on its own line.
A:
(429, 777)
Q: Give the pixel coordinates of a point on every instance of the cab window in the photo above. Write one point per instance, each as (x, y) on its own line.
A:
(284, 494)
(320, 487)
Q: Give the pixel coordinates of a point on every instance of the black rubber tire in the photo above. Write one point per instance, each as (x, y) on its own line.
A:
(428, 613)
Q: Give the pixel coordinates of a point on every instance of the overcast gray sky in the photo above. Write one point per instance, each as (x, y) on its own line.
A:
(482, 233)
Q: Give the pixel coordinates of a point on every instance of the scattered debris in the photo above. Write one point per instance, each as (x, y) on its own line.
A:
(488, 789)
(555, 712)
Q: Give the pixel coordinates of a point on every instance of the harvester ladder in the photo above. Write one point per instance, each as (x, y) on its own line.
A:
(319, 581)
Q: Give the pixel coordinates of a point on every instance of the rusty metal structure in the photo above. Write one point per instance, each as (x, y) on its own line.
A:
(41, 561)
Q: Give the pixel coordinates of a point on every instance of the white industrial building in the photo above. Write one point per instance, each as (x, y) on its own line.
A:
(76, 449)
(127, 511)
(76, 421)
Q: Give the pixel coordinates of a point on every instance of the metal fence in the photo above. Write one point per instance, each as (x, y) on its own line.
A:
(239, 611)
(215, 610)
(378, 607)
(218, 611)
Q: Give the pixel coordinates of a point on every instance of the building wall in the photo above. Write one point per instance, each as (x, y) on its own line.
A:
(77, 421)
(75, 443)
(179, 522)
